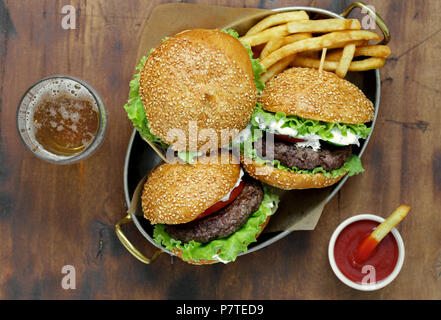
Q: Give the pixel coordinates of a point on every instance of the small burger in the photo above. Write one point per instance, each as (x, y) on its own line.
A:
(311, 122)
(206, 212)
(194, 85)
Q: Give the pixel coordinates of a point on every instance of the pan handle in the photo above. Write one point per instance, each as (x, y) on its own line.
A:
(380, 23)
(126, 243)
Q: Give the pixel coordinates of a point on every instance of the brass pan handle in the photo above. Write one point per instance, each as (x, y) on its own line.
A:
(126, 243)
(380, 23)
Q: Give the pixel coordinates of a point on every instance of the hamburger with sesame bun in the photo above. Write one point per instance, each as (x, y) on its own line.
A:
(308, 123)
(192, 87)
(206, 212)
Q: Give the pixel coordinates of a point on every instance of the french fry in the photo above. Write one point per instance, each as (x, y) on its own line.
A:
(362, 65)
(323, 26)
(276, 19)
(379, 51)
(384, 228)
(317, 52)
(335, 55)
(275, 44)
(367, 64)
(265, 36)
(368, 245)
(312, 54)
(345, 61)
(330, 40)
(276, 68)
(308, 62)
(271, 46)
(297, 37)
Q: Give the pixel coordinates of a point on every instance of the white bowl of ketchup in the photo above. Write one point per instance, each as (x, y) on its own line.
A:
(380, 269)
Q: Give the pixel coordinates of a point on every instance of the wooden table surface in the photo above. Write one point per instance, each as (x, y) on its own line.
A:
(51, 216)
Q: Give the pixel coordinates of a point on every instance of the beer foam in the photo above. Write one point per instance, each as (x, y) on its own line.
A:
(53, 89)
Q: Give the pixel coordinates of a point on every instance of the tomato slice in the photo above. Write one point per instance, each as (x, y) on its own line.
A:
(287, 138)
(220, 204)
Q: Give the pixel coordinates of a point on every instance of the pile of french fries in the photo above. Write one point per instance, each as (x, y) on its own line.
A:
(292, 39)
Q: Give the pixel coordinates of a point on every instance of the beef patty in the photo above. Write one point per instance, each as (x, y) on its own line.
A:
(224, 222)
(289, 155)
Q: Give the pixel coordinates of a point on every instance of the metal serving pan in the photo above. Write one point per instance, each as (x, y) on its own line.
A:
(141, 158)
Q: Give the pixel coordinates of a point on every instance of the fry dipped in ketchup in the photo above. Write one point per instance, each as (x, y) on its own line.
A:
(370, 243)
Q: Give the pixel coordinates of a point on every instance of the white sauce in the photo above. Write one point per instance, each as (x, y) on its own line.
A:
(216, 257)
(272, 207)
(235, 186)
(311, 140)
(314, 144)
(339, 138)
(276, 127)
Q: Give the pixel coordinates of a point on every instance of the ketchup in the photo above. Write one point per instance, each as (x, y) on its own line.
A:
(220, 204)
(384, 258)
(288, 138)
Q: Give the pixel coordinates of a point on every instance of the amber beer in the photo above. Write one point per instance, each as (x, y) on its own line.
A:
(65, 126)
(61, 119)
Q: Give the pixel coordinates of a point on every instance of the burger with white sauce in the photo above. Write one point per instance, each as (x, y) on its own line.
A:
(314, 120)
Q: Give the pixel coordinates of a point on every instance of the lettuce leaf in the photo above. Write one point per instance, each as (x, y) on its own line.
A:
(188, 156)
(257, 67)
(135, 109)
(352, 166)
(307, 126)
(227, 248)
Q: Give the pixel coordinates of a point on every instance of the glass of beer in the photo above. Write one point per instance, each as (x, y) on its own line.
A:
(61, 119)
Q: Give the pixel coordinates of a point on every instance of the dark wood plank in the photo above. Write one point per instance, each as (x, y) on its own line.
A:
(51, 216)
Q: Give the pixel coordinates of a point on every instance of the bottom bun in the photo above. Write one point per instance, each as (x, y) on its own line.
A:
(287, 180)
(178, 252)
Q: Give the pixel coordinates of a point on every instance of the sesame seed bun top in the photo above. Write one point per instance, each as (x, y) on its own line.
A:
(307, 93)
(178, 193)
(198, 79)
